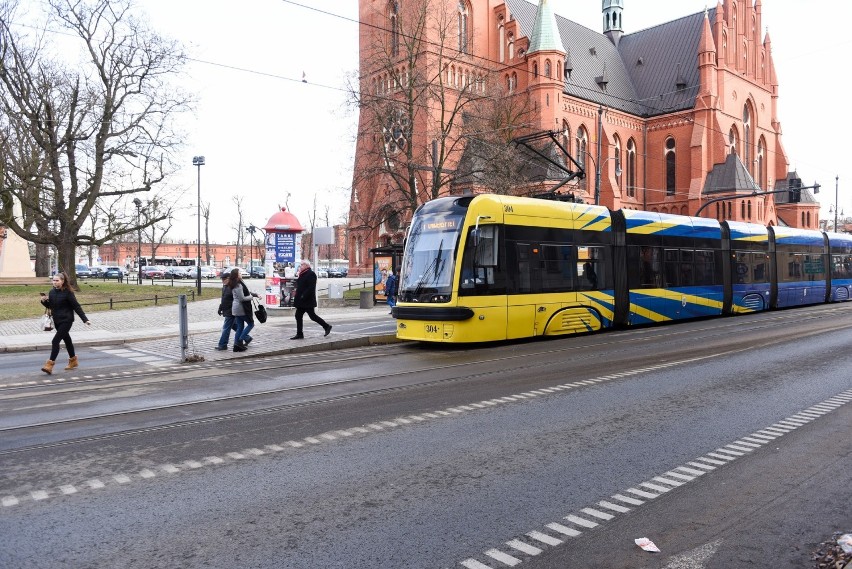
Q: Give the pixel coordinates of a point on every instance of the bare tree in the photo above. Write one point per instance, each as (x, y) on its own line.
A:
(491, 162)
(205, 213)
(397, 97)
(158, 216)
(78, 136)
(238, 201)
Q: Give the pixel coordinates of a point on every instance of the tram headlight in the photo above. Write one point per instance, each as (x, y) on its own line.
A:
(440, 298)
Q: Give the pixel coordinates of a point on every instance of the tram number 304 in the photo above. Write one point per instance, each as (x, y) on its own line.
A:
(431, 329)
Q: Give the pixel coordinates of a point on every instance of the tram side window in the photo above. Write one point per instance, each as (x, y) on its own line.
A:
(644, 266)
(481, 271)
(704, 268)
(798, 266)
(760, 267)
(556, 274)
(591, 268)
(841, 266)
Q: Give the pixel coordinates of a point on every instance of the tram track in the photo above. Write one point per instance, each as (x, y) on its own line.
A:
(545, 358)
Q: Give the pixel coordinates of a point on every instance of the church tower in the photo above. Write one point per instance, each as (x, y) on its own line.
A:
(612, 20)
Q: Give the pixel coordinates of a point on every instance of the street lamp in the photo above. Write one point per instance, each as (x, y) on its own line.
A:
(138, 203)
(251, 229)
(198, 161)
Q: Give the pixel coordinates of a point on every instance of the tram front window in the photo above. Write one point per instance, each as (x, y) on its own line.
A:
(429, 260)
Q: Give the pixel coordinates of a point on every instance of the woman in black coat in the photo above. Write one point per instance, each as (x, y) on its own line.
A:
(62, 304)
(305, 299)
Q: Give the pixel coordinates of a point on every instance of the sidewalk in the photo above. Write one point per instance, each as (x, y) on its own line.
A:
(156, 329)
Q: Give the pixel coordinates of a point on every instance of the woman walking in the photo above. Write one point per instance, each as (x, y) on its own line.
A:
(241, 309)
(62, 304)
(305, 300)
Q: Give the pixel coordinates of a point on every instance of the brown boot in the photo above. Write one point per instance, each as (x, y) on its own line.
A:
(72, 363)
(48, 367)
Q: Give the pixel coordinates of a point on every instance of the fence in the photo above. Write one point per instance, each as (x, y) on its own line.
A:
(157, 298)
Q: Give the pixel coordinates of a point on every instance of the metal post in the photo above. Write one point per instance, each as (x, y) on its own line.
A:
(598, 161)
(183, 322)
(198, 161)
(138, 203)
(836, 205)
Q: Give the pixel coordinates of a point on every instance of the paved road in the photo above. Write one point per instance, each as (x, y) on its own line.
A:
(421, 457)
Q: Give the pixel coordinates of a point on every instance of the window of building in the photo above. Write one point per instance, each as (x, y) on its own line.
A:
(464, 27)
(760, 163)
(631, 168)
(501, 39)
(393, 14)
(511, 46)
(617, 160)
(733, 140)
(547, 70)
(582, 146)
(747, 142)
(670, 166)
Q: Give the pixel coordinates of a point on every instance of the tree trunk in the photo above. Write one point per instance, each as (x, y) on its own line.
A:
(42, 260)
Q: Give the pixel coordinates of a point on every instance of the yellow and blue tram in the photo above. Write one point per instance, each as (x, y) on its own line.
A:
(487, 268)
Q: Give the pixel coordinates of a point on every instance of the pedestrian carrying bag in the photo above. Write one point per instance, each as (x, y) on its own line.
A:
(259, 311)
(47, 321)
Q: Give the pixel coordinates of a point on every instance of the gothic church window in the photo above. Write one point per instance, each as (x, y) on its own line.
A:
(631, 168)
(464, 27)
(670, 166)
(547, 71)
(617, 160)
(747, 142)
(393, 14)
(582, 146)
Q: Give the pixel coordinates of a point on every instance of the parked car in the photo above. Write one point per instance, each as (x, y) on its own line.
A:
(322, 273)
(174, 272)
(257, 272)
(336, 273)
(153, 272)
(96, 271)
(82, 271)
(243, 272)
(209, 272)
(113, 273)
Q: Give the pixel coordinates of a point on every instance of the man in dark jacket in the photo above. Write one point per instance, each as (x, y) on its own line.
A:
(305, 299)
(225, 310)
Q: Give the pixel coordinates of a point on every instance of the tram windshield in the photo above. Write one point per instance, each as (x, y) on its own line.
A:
(429, 260)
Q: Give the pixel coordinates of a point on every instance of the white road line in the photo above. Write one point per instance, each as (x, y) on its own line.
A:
(655, 487)
(628, 499)
(544, 538)
(474, 564)
(570, 532)
(524, 547)
(503, 557)
(582, 522)
(614, 507)
(597, 514)
(669, 481)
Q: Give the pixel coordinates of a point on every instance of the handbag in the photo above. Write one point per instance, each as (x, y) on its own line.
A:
(259, 311)
(47, 321)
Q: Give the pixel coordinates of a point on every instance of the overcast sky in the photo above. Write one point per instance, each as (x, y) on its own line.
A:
(276, 140)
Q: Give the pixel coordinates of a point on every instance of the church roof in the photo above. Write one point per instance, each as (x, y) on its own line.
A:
(545, 35)
(731, 176)
(651, 72)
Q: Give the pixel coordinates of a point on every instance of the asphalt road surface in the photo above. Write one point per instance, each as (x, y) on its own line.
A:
(725, 442)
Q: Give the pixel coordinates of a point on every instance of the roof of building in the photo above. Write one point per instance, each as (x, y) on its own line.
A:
(651, 72)
(545, 35)
(730, 176)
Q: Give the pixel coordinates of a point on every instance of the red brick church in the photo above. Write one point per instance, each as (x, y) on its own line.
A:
(664, 119)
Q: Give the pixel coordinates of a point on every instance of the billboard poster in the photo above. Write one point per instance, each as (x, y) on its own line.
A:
(281, 247)
(382, 268)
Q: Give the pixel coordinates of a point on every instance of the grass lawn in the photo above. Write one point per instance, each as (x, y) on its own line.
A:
(22, 301)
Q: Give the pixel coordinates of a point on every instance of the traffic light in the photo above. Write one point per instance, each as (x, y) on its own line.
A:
(795, 190)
